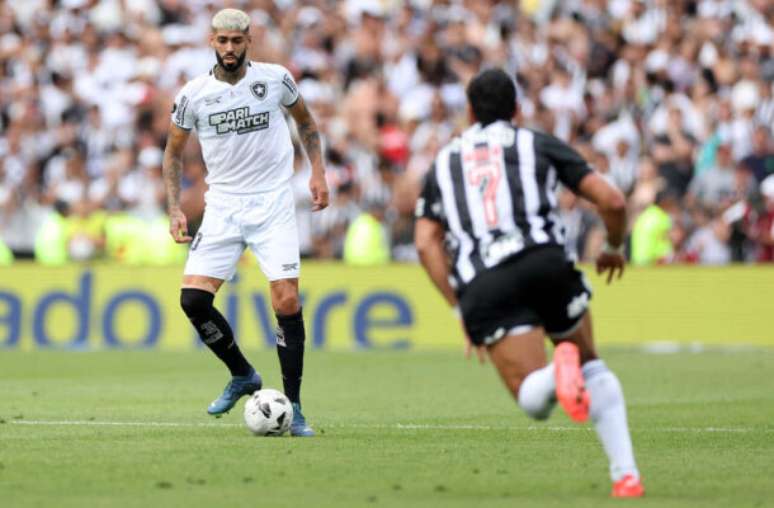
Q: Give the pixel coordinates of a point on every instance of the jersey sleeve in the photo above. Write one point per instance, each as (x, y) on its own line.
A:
(289, 89)
(182, 110)
(429, 204)
(570, 166)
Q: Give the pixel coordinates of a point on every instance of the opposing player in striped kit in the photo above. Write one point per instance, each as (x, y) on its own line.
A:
(490, 238)
(237, 111)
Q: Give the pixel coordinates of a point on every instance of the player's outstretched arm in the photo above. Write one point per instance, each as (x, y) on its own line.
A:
(611, 206)
(428, 238)
(172, 168)
(310, 138)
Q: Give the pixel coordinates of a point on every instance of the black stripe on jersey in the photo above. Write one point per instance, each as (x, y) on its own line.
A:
(458, 183)
(513, 172)
(550, 216)
(542, 167)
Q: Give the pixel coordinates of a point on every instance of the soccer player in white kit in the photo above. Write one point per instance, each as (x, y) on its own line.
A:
(237, 111)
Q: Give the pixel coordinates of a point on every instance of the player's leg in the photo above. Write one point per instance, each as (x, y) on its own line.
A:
(290, 335)
(196, 299)
(580, 374)
(496, 312)
(521, 361)
(607, 409)
(561, 299)
(290, 347)
(275, 245)
(212, 259)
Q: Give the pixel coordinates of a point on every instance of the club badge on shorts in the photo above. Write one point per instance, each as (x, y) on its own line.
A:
(259, 89)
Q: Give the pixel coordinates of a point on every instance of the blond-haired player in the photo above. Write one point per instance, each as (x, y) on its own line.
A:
(238, 110)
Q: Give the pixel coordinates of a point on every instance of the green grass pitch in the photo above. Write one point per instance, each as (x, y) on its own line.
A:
(408, 429)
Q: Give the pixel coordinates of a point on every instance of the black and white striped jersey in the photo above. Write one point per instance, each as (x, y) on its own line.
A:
(494, 190)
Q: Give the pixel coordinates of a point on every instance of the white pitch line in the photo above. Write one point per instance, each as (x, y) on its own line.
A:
(122, 424)
(413, 426)
(422, 426)
(397, 426)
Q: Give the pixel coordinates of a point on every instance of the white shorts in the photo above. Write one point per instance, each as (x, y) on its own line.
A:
(265, 222)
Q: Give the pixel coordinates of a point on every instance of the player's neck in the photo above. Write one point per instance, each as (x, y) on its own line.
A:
(230, 77)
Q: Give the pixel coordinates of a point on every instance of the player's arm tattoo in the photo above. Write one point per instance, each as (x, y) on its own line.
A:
(173, 164)
(308, 132)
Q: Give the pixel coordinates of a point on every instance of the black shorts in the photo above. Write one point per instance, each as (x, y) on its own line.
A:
(539, 287)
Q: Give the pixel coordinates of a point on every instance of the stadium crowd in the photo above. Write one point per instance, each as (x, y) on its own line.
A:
(670, 99)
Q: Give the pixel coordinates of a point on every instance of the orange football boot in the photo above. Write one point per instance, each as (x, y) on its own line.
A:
(628, 486)
(570, 388)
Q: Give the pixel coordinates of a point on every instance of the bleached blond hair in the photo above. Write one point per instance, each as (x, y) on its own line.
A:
(231, 19)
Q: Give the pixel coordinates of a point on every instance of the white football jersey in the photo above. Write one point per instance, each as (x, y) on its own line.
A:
(242, 129)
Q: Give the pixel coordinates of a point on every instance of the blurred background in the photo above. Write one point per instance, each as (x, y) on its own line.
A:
(671, 100)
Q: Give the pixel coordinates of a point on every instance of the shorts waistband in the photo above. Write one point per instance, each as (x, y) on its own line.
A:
(220, 198)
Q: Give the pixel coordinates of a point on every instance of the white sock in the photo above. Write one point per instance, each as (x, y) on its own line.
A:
(537, 394)
(608, 412)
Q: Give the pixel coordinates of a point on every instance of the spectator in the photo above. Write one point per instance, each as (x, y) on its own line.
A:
(708, 245)
(761, 223)
(673, 152)
(67, 181)
(715, 187)
(761, 159)
(366, 243)
(6, 256)
(652, 234)
(647, 186)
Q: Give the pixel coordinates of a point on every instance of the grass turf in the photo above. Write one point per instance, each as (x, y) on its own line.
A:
(395, 429)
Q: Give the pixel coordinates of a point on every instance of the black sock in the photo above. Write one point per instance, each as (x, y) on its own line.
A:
(290, 349)
(213, 329)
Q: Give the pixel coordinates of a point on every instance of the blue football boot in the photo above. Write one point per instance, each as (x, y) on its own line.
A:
(299, 427)
(235, 390)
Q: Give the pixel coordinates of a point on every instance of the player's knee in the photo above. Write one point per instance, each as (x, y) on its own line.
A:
(287, 303)
(195, 302)
(532, 400)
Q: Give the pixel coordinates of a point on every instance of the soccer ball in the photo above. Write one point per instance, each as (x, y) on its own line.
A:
(268, 412)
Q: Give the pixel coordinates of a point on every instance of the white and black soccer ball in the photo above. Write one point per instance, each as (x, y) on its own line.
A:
(268, 412)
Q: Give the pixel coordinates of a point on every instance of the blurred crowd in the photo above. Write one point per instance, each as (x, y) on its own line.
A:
(671, 100)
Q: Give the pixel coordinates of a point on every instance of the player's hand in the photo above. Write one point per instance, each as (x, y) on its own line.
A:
(469, 346)
(609, 262)
(319, 188)
(178, 226)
